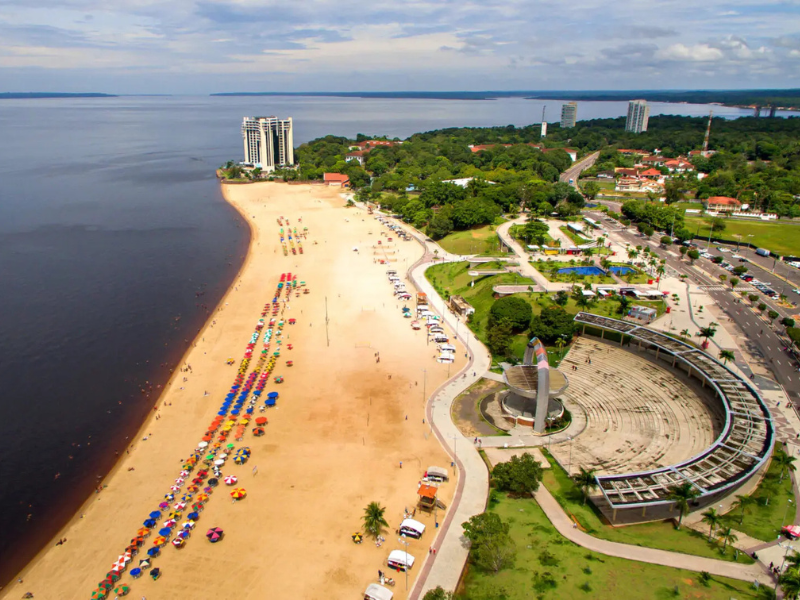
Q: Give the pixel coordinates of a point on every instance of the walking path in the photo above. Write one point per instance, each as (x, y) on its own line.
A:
(566, 527)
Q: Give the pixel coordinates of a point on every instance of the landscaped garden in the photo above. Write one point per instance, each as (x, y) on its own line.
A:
(546, 565)
(481, 240)
(586, 271)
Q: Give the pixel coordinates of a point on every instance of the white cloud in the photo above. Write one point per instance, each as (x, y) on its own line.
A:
(697, 53)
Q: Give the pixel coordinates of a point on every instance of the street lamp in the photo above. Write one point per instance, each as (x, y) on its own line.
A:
(402, 539)
(785, 553)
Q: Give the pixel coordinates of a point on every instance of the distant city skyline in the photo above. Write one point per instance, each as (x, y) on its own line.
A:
(206, 46)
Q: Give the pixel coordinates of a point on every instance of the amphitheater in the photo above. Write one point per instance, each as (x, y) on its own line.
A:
(650, 413)
(638, 415)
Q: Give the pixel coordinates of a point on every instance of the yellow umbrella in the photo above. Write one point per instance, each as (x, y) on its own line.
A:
(238, 493)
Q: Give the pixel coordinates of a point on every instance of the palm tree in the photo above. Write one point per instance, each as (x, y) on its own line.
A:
(707, 333)
(785, 462)
(560, 343)
(686, 334)
(713, 518)
(793, 560)
(726, 355)
(586, 480)
(728, 537)
(681, 495)
(768, 486)
(790, 583)
(744, 503)
(374, 521)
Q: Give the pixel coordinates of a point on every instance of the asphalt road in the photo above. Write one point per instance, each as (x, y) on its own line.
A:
(575, 170)
(764, 340)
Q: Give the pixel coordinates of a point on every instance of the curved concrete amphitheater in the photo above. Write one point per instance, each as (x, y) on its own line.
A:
(648, 431)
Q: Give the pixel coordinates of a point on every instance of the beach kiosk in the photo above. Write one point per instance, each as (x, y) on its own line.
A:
(427, 497)
(436, 474)
(400, 560)
(377, 592)
(411, 528)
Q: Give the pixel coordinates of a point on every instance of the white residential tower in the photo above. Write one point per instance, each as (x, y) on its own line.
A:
(569, 114)
(638, 115)
(268, 142)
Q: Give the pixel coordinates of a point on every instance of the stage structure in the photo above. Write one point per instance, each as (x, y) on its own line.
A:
(534, 389)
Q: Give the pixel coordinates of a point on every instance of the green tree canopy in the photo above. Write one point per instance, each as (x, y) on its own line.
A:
(520, 476)
(517, 311)
(552, 323)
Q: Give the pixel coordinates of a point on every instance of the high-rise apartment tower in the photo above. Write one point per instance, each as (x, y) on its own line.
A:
(638, 115)
(268, 142)
(569, 114)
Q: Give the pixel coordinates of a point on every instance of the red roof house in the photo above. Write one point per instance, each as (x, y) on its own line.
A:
(336, 179)
(722, 204)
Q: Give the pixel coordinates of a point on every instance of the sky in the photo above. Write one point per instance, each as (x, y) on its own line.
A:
(206, 46)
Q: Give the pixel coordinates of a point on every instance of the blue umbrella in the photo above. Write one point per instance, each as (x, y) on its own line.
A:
(222, 413)
(149, 523)
(249, 411)
(235, 411)
(257, 393)
(136, 572)
(193, 516)
(165, 531)
(155, 514)
(272, 395)
(153, 551)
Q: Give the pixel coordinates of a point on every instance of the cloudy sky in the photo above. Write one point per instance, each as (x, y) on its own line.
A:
(201, 46)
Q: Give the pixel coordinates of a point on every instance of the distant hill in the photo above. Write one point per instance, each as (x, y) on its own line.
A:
(34, 95)
(783, 98)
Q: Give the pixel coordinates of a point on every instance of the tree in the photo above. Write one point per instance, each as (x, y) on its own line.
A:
(734, 282)
(785, 461)
(590, 190)
(552, 323)
(681, 495)
(787, 322)
(686, 334)
(772, 315)
(693, 255)
(713, 518)
(683, 250)
(666, 240)
(707, 333)
(520, 476)
(790, 583)
(562, 298)
(586, 481)
(672, 191)
(491, 546)
(723, 277)
(439, 226)
(728, 537)
(514, 309)
(374, 521)
(716, 224)
(438, 593)
(726, 355)
(743, 503)
(536, 231)
(623, 306)
(752, 297)
(740, 270)
(498, 337)
(762, 307)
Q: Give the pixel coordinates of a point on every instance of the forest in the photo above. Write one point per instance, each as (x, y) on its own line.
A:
(755, 160)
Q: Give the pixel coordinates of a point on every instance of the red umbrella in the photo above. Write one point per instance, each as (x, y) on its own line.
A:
(261, 421)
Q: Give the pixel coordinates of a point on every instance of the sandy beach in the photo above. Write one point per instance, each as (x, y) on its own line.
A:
(334, 442)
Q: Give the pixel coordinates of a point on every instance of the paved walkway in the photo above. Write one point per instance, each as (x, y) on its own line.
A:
(565, 527)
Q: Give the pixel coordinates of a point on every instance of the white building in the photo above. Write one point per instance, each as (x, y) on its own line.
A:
(638, 115)
(569, 114)
(268, 142)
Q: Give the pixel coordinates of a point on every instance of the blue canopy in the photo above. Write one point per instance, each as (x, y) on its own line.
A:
(272, 395)
(257, 393)
(155, 514)
(165, 531)
(136, 572)
(149, 523)
(249, 411)
(235, 411)
(153, 551)
(193, 516)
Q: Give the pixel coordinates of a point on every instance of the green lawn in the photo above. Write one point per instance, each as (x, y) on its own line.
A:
(453, 278)
(764, 521)
(661, 534)
(480, 240)
(550, 567)
(782, 237)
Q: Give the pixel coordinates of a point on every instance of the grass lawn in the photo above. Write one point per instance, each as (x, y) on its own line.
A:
(764, 521)
(577, 239)
(480, 240)
(550, 567)
(661, 534)
(453, 278)
(782, 237)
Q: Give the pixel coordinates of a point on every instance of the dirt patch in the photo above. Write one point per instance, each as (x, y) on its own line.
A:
(466, 413)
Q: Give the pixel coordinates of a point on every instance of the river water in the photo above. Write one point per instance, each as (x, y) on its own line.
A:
(114, 244)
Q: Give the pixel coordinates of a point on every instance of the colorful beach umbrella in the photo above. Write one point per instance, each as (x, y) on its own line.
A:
(123, 589)
(154, 551)
(160, 541)
(193, 516)
(178, 542)
(143, 531)
(150, 523)
(214, 534)
(238, 493)
(166, 531)
(230, 480)
(155, 514)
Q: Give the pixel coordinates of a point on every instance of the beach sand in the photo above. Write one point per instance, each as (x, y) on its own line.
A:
(334, 443)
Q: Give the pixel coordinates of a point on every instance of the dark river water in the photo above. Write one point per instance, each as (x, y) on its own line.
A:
(114, 242)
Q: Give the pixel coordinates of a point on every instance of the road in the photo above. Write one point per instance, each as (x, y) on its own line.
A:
(764, 340)
(575, 170)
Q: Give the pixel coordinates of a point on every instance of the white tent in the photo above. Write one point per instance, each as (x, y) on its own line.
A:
(377, 592)
(412, 528)
(400, 558)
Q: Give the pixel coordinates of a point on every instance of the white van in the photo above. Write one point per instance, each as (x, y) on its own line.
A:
(447, 348)
(377, 592)
(436, 474)
(400, 560)
(446, 358)
(441, 338)
(411, 528)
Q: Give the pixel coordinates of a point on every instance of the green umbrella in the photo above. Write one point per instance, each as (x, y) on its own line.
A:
(112, 575)
(122, 590)
(105, 585)
(99, 594)
(230, 445)
(209, 457)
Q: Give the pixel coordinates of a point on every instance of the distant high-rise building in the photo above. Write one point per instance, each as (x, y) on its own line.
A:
(569, 114)
(544, 128)
(268, 142)
(638, 115)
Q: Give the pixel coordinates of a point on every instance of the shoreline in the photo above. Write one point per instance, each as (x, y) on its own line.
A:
(151, 416)
(318, 445)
